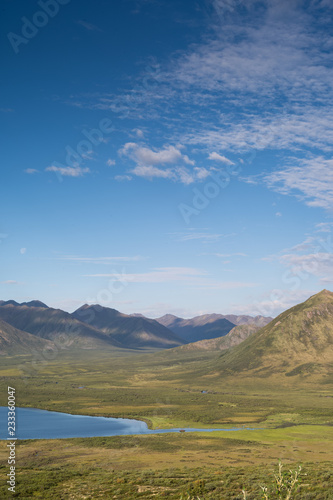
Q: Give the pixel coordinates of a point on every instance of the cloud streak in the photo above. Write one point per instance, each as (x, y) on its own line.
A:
(68, 171)
(310, 180)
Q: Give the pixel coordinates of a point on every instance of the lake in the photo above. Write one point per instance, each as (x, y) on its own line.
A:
(32, 423)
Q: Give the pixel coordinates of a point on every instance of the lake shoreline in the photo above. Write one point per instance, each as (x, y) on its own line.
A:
(46, 424)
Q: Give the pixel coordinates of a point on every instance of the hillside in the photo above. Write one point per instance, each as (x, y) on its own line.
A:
(208, 326)
(129, 331)
(55, 325)
(298, 341)
(14, 341)
(248, 320)
(233, 338)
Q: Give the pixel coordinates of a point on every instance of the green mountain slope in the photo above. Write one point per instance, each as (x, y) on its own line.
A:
(14, 341)
(233, 338)
(298, 341)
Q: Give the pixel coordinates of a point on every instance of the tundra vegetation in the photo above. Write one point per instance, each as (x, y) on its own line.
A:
(276, 386)
(165, 389)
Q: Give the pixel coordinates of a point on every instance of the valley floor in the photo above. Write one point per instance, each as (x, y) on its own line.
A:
(293, 418)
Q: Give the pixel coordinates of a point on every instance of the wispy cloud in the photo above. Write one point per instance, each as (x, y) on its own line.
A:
(100, 260)
(312, 257)
(203, 236)
(31, 171)
(151, 163)
(161, 275)
(310, 180)
(227, 255)
(69, 171)
(186, 276)
(150, 172)
(217, 157)
(88, 26)
(324, 227)
(272, 302)
(11, 282)
(121, 178)
(145, 155)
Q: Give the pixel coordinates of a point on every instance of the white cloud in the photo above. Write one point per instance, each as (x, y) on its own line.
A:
(160, 275)
(217, 157)
(224, 255)
(324, 227)
(201, 173)
(144, 155)
(31, 171)
(23, 251)
(10, 282)
(310, 180)
(110, 163)
(318, 264)
(150, 172)
(69, 171)
(226, 285)
(100, 260)
(194, 235)
(299, 128)
(123, 178)
(312, 258)
(138, 132)
(151, 164)
(187, 276)
(276, 59)
(272, 302)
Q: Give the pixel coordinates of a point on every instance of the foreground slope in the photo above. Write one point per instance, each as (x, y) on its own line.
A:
(129, 331)
(55, 325)
(14, 341)
(298, 341)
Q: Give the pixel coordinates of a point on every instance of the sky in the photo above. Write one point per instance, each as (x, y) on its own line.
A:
(167, 156)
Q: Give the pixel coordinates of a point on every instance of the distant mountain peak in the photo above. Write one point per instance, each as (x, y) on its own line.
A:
(35, 303)
(134, 331)
(32, 303)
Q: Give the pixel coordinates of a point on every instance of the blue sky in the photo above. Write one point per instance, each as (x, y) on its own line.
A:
(167, 156)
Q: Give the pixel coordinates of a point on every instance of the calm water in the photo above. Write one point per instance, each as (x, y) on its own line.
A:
(32, 423)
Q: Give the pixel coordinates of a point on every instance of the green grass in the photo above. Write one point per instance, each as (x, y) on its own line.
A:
(294, 417)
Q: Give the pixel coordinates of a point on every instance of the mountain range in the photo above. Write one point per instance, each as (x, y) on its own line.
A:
(129, 331)
(97, 327)
(298, 342)
(55, 325)
(208, 326)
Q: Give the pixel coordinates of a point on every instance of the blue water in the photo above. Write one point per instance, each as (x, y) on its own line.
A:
(32, 423)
